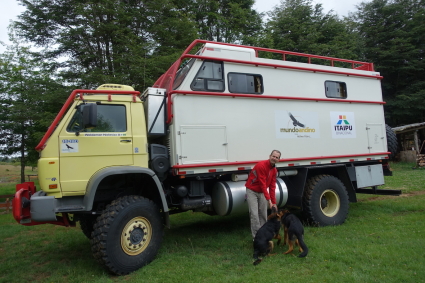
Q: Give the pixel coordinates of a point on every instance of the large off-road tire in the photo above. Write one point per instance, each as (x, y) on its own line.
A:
(325, 201)
(87, 223)
(392, 144)
(127, 235)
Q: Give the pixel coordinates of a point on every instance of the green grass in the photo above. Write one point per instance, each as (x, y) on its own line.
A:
(381, 241)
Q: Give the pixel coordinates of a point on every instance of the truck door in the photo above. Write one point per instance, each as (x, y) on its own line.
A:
(376, 137)
(83, 153)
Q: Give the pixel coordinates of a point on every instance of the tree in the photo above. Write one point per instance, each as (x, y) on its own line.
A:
(5, 159)
(128, 42)
(394, 36)
(29, 98)
(300, 26)
(231, 21)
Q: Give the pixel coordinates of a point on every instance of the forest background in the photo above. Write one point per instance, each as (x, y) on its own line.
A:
(84, 43)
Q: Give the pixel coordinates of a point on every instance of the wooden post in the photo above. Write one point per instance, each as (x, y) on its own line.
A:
(416, 142)
(7, 205)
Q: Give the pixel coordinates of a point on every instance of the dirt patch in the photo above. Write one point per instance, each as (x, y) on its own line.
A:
(12, 173)
(411, 194)
(41, 275)
(11, 168)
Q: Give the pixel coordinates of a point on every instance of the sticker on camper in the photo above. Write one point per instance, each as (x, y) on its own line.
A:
(69, 145)
(296, 124)
(343, 125)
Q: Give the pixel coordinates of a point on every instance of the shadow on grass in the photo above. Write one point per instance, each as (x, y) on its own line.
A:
(189, 223)
(192, 232)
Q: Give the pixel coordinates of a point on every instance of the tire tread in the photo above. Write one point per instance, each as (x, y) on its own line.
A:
(310, 186)
(102, 228)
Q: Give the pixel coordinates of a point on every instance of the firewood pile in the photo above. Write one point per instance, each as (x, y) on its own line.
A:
(420, 158)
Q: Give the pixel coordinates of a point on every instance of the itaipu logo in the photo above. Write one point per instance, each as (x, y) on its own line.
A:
(343, 124)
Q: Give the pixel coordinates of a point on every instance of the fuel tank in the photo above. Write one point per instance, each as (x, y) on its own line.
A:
(230, 197)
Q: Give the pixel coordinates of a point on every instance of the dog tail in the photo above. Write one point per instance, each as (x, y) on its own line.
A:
(303, 246)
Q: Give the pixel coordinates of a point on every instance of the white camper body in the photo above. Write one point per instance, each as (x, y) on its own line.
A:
(225, 108)
(227, 131)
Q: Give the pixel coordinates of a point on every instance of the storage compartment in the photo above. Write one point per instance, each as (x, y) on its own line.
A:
(154, 105)
(368, 176)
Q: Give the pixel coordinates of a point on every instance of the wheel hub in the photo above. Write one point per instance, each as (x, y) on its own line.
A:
(323, 202)
(136, 236)
(330, 203)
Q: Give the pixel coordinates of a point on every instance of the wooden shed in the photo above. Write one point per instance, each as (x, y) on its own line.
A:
(411, 143)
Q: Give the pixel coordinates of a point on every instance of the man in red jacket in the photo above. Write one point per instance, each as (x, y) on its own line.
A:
(260, 190)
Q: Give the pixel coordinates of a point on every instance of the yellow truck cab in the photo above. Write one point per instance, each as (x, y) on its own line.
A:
(78, 151)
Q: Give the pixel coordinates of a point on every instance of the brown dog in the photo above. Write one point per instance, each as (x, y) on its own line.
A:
(293, 233)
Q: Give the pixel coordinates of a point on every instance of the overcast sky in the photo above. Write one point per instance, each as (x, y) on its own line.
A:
(10, 9)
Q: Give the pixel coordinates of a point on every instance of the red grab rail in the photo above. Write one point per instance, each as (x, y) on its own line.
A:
(167, 79)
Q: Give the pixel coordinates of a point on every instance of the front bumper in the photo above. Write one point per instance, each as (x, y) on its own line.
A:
(34, 208)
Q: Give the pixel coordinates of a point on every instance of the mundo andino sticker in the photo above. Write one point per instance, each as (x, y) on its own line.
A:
(69, 145)
(343, 125)
(296, 124)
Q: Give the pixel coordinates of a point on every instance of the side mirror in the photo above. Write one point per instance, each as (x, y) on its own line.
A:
(90, 116)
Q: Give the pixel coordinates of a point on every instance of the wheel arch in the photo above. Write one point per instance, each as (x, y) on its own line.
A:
(96, 179)
(343, 172)
(296, 184)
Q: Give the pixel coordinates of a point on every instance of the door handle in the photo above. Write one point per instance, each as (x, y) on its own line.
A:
(125, 140)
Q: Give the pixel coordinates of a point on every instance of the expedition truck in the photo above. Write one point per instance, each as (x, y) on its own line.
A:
(121, 162)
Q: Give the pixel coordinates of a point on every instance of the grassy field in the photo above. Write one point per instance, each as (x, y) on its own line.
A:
(10, 176)
(381, 241)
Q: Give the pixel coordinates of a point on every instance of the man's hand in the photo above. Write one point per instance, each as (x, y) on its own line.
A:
(271, 205)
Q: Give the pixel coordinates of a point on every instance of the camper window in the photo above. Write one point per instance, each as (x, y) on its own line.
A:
(209, 77)
(335, 89)
(245, 83)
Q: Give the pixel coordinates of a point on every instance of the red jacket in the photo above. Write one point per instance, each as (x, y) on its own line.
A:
(261, 177)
